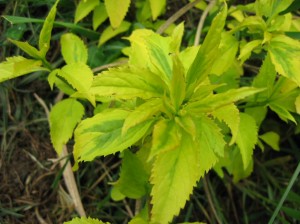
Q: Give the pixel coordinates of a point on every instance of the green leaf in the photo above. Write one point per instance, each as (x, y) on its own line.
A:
(110, 32)
(157, 7)
(227, 52)
(122, 83)
(272, 139)
(17, 66)
(165, 137)
(174, 175)
(207, 53)
(176, 38)
(216, 101)
(270, 8)
(246, 138)
(285, 55)
(52, 77)
(178, 85)
(27, 48)
(116, 10)
(73, 49)
(84, 8)
(230, 115)
(247, 49)
(133, 181)
(297, 104)
(63, 118)
(79, 75)
(101, 135)
(84, 220)
(282, 112)
(187, 123)
(99, 15)
(142, 113)
(45, 35)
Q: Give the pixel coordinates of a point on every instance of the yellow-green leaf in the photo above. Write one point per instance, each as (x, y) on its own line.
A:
(246, 138)
(99, 15)
(17, 66)
(247, 49)
(116, 10)
(84, 8)
(110, 32)
(73, 49)
(64, 116)
(79, 75)
(285, 55)
(84, 220)
(27, 48)
(101, 135)
(176, 38)
(272, 139)
(157, 7)
(45, 35)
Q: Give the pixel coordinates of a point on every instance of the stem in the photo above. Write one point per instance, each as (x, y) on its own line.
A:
(176, 15)
(201, 22)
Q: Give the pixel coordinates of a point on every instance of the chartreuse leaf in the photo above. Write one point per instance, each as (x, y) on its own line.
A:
(157, 7)
(17, 66)
(84, 220)
(133, 181)
(246, 138)
(123, 83)
(178, 85)
(176, 38)
(73, 49)
(165, 137)
(229, 114)
(27, 48)
(285, 55)
(116, 10)
(270, 8)
(187, 123)
(45, 35)
(110, 32)
(215, 101)
(247, 49)
(207, 53)
(99, 15)
(174, 174)
(227, 51)
(101, 135)
(63, 118)
(142, 217)
(79, 75)
(142, 113)
(272, 139)
(84, 8)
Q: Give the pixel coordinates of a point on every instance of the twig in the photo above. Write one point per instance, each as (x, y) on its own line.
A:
(201, 22)
(68, 173)
(176, 15)
(114, 64)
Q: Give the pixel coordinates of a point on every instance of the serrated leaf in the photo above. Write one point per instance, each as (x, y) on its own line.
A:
(157, 7)
(165, 137)
(84, 8)
(17, 66)
(79, 75)
(116, 10)
(99, 15)
(285, 55)
(216, 101)
(64, 116)
(142, 113)
(227, 52)
(186, 123)
(282, 112)
(272, 139)
(110, 32)
(52, 77)
(174, 175)
(246, 138)
(73, 49)
(133, 181)
(230, 115)
(207, 53)
(27, 48)
(45, 35)
(123, 83)
(178, 85)
(101, 135)
(85, 220)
